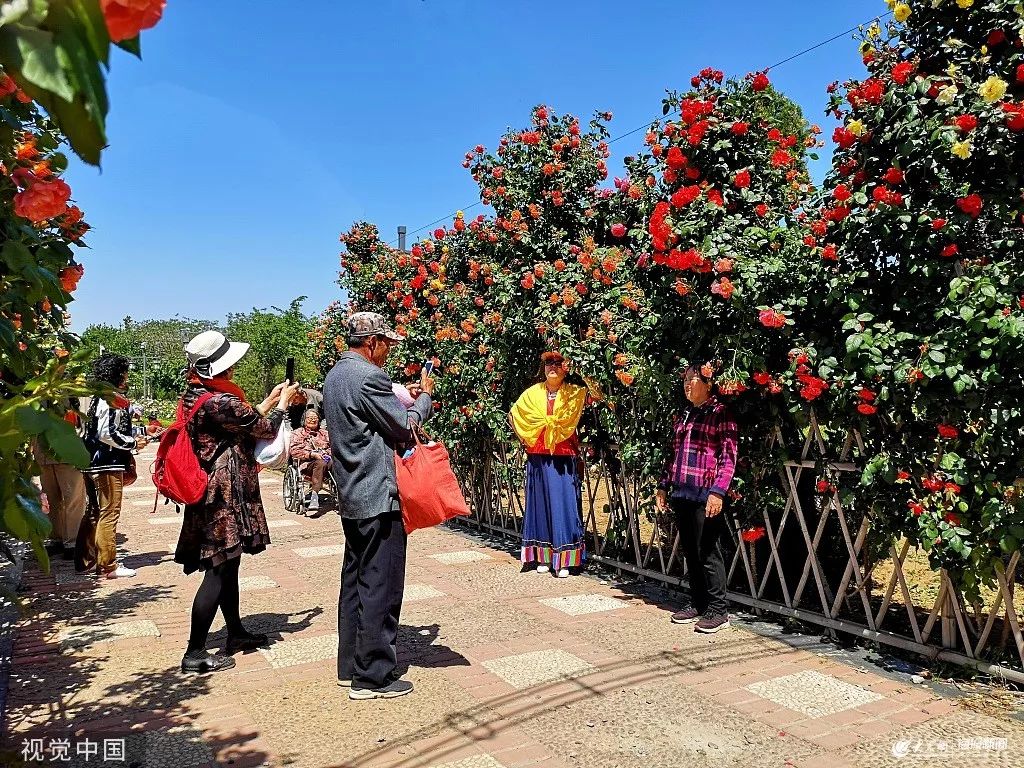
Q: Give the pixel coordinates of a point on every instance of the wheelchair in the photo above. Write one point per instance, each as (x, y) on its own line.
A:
(296, 486)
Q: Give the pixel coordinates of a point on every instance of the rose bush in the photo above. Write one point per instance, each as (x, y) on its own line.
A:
(923, 213)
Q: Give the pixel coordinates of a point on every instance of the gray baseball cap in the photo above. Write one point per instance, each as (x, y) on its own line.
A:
(371, 324)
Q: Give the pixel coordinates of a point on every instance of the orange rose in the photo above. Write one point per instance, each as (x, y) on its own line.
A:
(126, 18)
(42, 200)
(626, 378)
(69, 277)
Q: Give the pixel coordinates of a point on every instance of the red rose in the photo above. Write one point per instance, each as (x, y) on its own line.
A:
(915, 508)
(675, 159)
(902, 476)
(866, 395)
(781, 158)
(42, 200)
(526, 282)
(966, 123)
(842, 193)
(685, 195)
(530, 137)
(762, 378)
(739, 128)
(810, 241)
(69, 277)
(996, 37)
(948, 432)
(753, 534)
(715, 197)
(938, 224)
(844, 137)
(893, 176)
(828, 253)
(771, 318)
(759, 81)
(761, 209)
(439, 234)
(1014, 116)
(775, 135)
(932, 484)
(971, 205)
(1020, 73)
(126, 18)
(866, 409)
(950, 250)
(901, 72)
(618, 230)
(951, 488)
(742, 180)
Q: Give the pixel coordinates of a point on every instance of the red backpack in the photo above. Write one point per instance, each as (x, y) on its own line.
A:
(177, 474)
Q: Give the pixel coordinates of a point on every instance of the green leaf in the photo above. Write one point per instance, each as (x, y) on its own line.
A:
(937, 356)
(133, 46)
(29, 12)
(92, 27)
(966, 313)
(31, 420)
(65, 444)
(32, 53)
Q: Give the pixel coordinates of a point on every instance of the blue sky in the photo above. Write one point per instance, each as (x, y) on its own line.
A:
(252, 134)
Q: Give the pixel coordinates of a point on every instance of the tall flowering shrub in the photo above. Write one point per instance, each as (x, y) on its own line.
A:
(923, 214)
(53, 58)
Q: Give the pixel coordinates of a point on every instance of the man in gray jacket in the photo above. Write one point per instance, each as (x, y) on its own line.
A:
(367, 424)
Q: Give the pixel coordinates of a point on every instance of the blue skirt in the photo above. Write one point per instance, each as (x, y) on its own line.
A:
(553, 523)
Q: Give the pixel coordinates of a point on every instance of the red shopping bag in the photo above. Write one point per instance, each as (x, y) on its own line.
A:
(427, 486)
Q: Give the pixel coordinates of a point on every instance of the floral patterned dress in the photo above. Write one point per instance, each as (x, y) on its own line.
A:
(230, 519)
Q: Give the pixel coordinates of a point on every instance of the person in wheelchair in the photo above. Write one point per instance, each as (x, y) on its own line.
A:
(311, 448)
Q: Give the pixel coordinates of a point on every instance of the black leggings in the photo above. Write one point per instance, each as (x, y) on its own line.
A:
(218, 589)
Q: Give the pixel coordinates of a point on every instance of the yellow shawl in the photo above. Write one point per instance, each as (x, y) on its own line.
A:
(530, 414)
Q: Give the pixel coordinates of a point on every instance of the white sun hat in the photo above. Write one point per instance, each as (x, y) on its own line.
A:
(210, 353)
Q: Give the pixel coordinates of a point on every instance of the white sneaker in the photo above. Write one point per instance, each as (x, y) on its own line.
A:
(542, 569)
(563, 573)
(120, 573)
(314, 503)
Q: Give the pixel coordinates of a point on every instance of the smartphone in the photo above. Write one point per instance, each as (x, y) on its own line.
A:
(289, 370)
(428, 367)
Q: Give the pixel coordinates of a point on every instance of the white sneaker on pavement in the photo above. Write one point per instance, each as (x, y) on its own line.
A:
(542, 569)
(120, 573)
(563, 573)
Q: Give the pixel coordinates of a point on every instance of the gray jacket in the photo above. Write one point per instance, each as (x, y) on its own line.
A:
(366, 423)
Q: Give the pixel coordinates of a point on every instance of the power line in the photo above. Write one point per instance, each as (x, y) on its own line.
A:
(645, 126)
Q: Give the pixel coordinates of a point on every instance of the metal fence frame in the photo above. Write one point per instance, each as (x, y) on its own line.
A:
(949, 630)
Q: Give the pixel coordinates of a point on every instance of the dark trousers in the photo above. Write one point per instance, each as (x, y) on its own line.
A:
(701, 540)
(372, 586)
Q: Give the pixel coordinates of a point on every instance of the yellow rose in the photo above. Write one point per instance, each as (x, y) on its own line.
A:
(874, 31)
(965, 3)
(992, 89)
(890, 3)
(947, 94)
(962, 149)
(901, 12)
(459, 215)
(856, 127)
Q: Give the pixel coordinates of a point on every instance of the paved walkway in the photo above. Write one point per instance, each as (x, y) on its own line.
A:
(511, 670)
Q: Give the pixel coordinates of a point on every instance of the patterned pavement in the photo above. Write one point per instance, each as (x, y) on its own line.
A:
(512, 670)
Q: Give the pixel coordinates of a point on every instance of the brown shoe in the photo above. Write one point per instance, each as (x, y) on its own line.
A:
(713, 622)
(686, 616)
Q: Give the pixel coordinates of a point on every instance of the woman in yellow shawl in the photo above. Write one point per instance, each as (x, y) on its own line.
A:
(545, 418)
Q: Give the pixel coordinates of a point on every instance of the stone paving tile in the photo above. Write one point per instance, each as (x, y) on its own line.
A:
(814, 694)
(178, 748)
(252, 583)
(414, 592)
(283, 523)
(164, 520)
(321, 551)
(83, 637)
(460, 556)
(579, 605)
(477, 761)
(303, 650)
(527, 669)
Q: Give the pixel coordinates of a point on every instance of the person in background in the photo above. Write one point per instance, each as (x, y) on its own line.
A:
(545, 418)
(695, 485)
(311, 447)
(64, 487)
(367, 424)
(110, 441)
(229, 520)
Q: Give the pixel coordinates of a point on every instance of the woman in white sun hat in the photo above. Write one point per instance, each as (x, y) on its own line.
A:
(229, 520)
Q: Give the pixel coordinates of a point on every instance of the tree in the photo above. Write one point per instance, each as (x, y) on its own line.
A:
(273, 335)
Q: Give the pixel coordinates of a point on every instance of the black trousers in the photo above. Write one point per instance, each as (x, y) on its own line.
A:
(372, 586)
(701, 540)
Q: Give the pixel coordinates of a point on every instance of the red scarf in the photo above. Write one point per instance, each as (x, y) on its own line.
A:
(226, 386)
